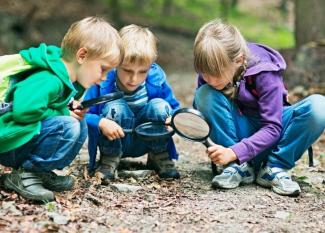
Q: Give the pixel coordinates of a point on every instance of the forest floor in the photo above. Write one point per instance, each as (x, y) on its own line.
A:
(187, 205)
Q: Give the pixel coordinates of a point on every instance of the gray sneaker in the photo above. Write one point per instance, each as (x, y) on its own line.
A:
(163, 166)
(234, 175)
(107, 167)
(278, 180)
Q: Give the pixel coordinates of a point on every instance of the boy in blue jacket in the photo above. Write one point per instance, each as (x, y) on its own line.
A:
(147, 97)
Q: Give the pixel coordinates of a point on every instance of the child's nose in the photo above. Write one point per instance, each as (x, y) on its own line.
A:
(134, 77)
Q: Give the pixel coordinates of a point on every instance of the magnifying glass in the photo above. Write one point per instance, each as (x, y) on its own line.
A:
(99, 100)
(192, 125)
(152, 131)
(186, 122)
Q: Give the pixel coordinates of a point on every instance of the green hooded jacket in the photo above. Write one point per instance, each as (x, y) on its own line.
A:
(38, 94)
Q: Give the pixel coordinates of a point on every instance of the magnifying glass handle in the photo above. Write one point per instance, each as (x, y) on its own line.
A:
(128, 130)
(208, 142)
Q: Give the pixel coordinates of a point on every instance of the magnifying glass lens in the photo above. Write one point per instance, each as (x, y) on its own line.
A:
(154, 130)
(191, 126)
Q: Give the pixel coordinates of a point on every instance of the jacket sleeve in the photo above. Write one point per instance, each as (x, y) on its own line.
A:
(93, 115)
(168, 95)
(166, 91)
(269, 86)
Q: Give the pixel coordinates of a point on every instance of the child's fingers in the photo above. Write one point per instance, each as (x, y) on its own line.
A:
(73, 114)
(214, 155)
(168, 120)
(213, 148)
(120, 132)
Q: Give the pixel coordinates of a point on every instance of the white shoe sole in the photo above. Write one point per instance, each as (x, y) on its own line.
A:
(269, 184)
(247, 180)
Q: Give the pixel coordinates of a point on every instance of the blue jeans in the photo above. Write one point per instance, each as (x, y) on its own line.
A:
(131, 146)
(302, 124)
(55, 147)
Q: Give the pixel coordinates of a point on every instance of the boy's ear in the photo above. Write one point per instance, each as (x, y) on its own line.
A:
(81, 55)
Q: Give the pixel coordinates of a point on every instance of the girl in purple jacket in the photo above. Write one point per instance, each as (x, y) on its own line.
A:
(241, 93)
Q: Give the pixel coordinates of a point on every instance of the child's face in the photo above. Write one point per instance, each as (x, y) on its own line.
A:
(131, 76)
(221, 82)
(93, 71)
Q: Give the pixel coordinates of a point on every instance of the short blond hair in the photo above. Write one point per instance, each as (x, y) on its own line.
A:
(140, 45)
(216, 45)
(96, 35)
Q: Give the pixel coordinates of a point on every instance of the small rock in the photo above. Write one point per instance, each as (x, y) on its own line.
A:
(58, 218)
(126, 188)
(282, 214)
(138, 174)
(149, 197)
(11, 207)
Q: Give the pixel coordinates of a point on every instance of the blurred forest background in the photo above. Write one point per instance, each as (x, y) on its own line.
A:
(293, 26)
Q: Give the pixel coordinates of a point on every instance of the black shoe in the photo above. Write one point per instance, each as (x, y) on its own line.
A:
(55, 182)
(28, 185)
(164, 167)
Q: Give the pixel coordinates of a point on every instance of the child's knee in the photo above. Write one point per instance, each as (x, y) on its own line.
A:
(71, 128)
(206, 96)
(317, 105)
(117, 110)
(159, 109)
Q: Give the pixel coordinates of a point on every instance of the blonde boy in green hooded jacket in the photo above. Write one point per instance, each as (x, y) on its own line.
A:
(40, 133)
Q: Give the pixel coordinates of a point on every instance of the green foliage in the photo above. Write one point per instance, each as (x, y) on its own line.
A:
(190, 15)
(50, 206)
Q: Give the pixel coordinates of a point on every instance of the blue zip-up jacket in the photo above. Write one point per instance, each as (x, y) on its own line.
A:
(157, 87)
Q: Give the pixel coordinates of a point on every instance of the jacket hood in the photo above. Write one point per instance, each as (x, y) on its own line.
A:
(47, 58)
(263, 58)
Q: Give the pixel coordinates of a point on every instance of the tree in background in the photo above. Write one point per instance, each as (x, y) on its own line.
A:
(309, 21)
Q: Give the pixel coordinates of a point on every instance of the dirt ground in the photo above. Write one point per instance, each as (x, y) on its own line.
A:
(185, 205)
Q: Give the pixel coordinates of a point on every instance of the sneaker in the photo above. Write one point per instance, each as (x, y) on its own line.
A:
(164, 167)
(107, 167)
(56, 183)
(28, 185)
(234, 175)
(278, 180)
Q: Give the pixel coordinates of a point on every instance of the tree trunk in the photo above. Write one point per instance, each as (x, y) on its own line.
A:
(309, 21)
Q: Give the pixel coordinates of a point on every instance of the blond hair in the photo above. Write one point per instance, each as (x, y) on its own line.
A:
(96, 35)
(216, 45)
(140, 45)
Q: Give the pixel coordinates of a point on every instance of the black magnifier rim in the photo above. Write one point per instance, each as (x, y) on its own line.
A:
(194, 112)
(148, 137)
(100, 99)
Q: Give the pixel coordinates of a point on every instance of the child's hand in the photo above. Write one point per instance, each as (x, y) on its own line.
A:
(79, 114)
(76, 113)
(221, 155)
(168, 120)
(110, 129)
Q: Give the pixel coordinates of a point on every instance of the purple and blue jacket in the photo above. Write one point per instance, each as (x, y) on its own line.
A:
(266, 66)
